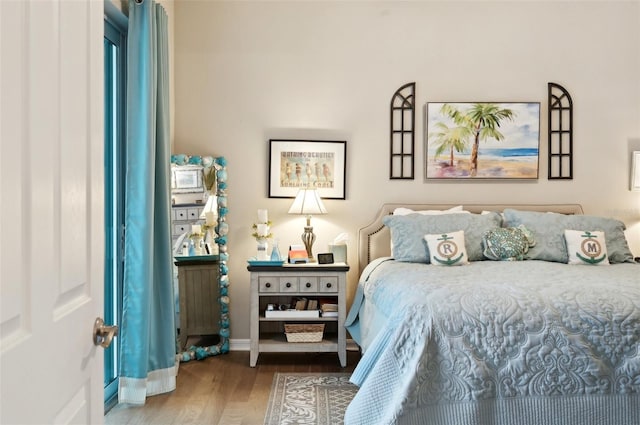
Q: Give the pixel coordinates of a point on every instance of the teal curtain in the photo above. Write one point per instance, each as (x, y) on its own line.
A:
(148, 341)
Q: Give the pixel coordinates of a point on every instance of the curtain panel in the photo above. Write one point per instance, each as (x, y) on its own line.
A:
(148, 336)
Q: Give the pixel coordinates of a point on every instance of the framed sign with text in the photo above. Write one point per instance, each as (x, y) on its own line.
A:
(296, 164)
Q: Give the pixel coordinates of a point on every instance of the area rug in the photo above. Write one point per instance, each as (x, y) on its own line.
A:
(309, 398)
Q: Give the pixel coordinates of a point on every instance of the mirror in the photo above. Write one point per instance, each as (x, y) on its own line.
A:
(199, 229)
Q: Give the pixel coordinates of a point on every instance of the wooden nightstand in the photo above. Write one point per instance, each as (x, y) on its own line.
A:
(279, 285)
(198, 292)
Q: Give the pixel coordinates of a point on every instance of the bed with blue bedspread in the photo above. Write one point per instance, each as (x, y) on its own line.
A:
(542, 341)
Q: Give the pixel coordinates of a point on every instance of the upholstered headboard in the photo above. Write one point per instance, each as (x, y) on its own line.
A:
(374, 239)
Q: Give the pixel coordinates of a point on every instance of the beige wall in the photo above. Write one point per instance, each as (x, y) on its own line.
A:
(249, 71)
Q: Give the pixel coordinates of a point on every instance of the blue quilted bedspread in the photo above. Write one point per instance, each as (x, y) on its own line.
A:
(526, 342)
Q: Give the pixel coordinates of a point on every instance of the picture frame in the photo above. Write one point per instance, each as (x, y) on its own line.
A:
(634, 184)
(296, 164)
(187, 179)
(482, 140)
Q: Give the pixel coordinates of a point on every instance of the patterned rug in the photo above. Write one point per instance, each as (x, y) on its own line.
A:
(309, 398)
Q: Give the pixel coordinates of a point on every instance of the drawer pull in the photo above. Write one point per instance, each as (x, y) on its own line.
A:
(267, 285)
(288, 285)
(328, 284)
(308, 285)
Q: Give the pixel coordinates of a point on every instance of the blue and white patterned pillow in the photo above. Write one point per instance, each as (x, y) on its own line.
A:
(507, 243)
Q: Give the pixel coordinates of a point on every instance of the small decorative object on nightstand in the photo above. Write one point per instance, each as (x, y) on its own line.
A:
(197, 237)
(326, 258)
(290, 286)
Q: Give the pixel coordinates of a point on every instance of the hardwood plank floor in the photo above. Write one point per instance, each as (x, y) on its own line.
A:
(224, 390)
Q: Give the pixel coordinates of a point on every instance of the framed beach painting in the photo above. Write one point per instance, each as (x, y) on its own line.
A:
(296, 164)
(482, 140)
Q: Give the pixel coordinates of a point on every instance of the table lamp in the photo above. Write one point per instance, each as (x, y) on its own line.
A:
(308, 202)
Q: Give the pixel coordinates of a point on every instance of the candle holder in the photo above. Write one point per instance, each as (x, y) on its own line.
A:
(261, 248)
(262, 232)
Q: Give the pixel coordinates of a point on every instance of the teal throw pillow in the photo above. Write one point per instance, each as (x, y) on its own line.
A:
(507, 243)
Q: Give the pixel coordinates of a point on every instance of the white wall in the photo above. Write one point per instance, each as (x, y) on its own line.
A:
(248, 71)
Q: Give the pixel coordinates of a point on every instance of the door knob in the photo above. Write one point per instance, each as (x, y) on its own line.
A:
(103, 334)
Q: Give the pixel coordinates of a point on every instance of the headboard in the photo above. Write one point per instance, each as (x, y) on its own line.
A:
(374, 239)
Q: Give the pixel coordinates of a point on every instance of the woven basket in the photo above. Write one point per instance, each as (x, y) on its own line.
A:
(306, 332)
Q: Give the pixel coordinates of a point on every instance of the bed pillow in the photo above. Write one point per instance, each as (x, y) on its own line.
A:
(585, 247)
(454, 210)
(407, 233)
(405, 211)
(548, 230)
(507, 243)
(447, 249)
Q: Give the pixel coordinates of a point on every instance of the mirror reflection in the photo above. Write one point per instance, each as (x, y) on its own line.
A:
(199, 231)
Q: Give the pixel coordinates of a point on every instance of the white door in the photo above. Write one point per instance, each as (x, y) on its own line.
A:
(51, 222)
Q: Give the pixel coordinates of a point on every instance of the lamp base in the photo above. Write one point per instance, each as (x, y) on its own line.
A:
(308, 238)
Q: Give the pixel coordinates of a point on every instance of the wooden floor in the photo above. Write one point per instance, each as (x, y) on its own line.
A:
(224, 390)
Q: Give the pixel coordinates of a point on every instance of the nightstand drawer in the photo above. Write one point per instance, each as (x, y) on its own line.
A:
(328, 284)
(193, 213)
(289, 284)
(179, 229)
(308, 284)
(269, 284)
(180, 214)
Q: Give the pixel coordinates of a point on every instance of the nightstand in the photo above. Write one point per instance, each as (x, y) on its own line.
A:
(279, 285)
(199, 292)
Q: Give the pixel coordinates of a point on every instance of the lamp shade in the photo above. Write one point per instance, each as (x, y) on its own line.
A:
(307, 201)
(210, 206)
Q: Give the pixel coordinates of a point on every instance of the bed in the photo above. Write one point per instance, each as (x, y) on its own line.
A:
(542, 341)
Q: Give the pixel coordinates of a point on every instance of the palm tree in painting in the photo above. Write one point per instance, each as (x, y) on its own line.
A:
(449, 139)
(486, 118)
(483, 119)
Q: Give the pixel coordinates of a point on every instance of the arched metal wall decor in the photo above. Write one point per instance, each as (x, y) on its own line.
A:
(560, 133)
(402, 135)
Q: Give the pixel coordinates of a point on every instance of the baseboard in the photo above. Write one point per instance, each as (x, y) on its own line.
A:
(245, 344)
(239, 344)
